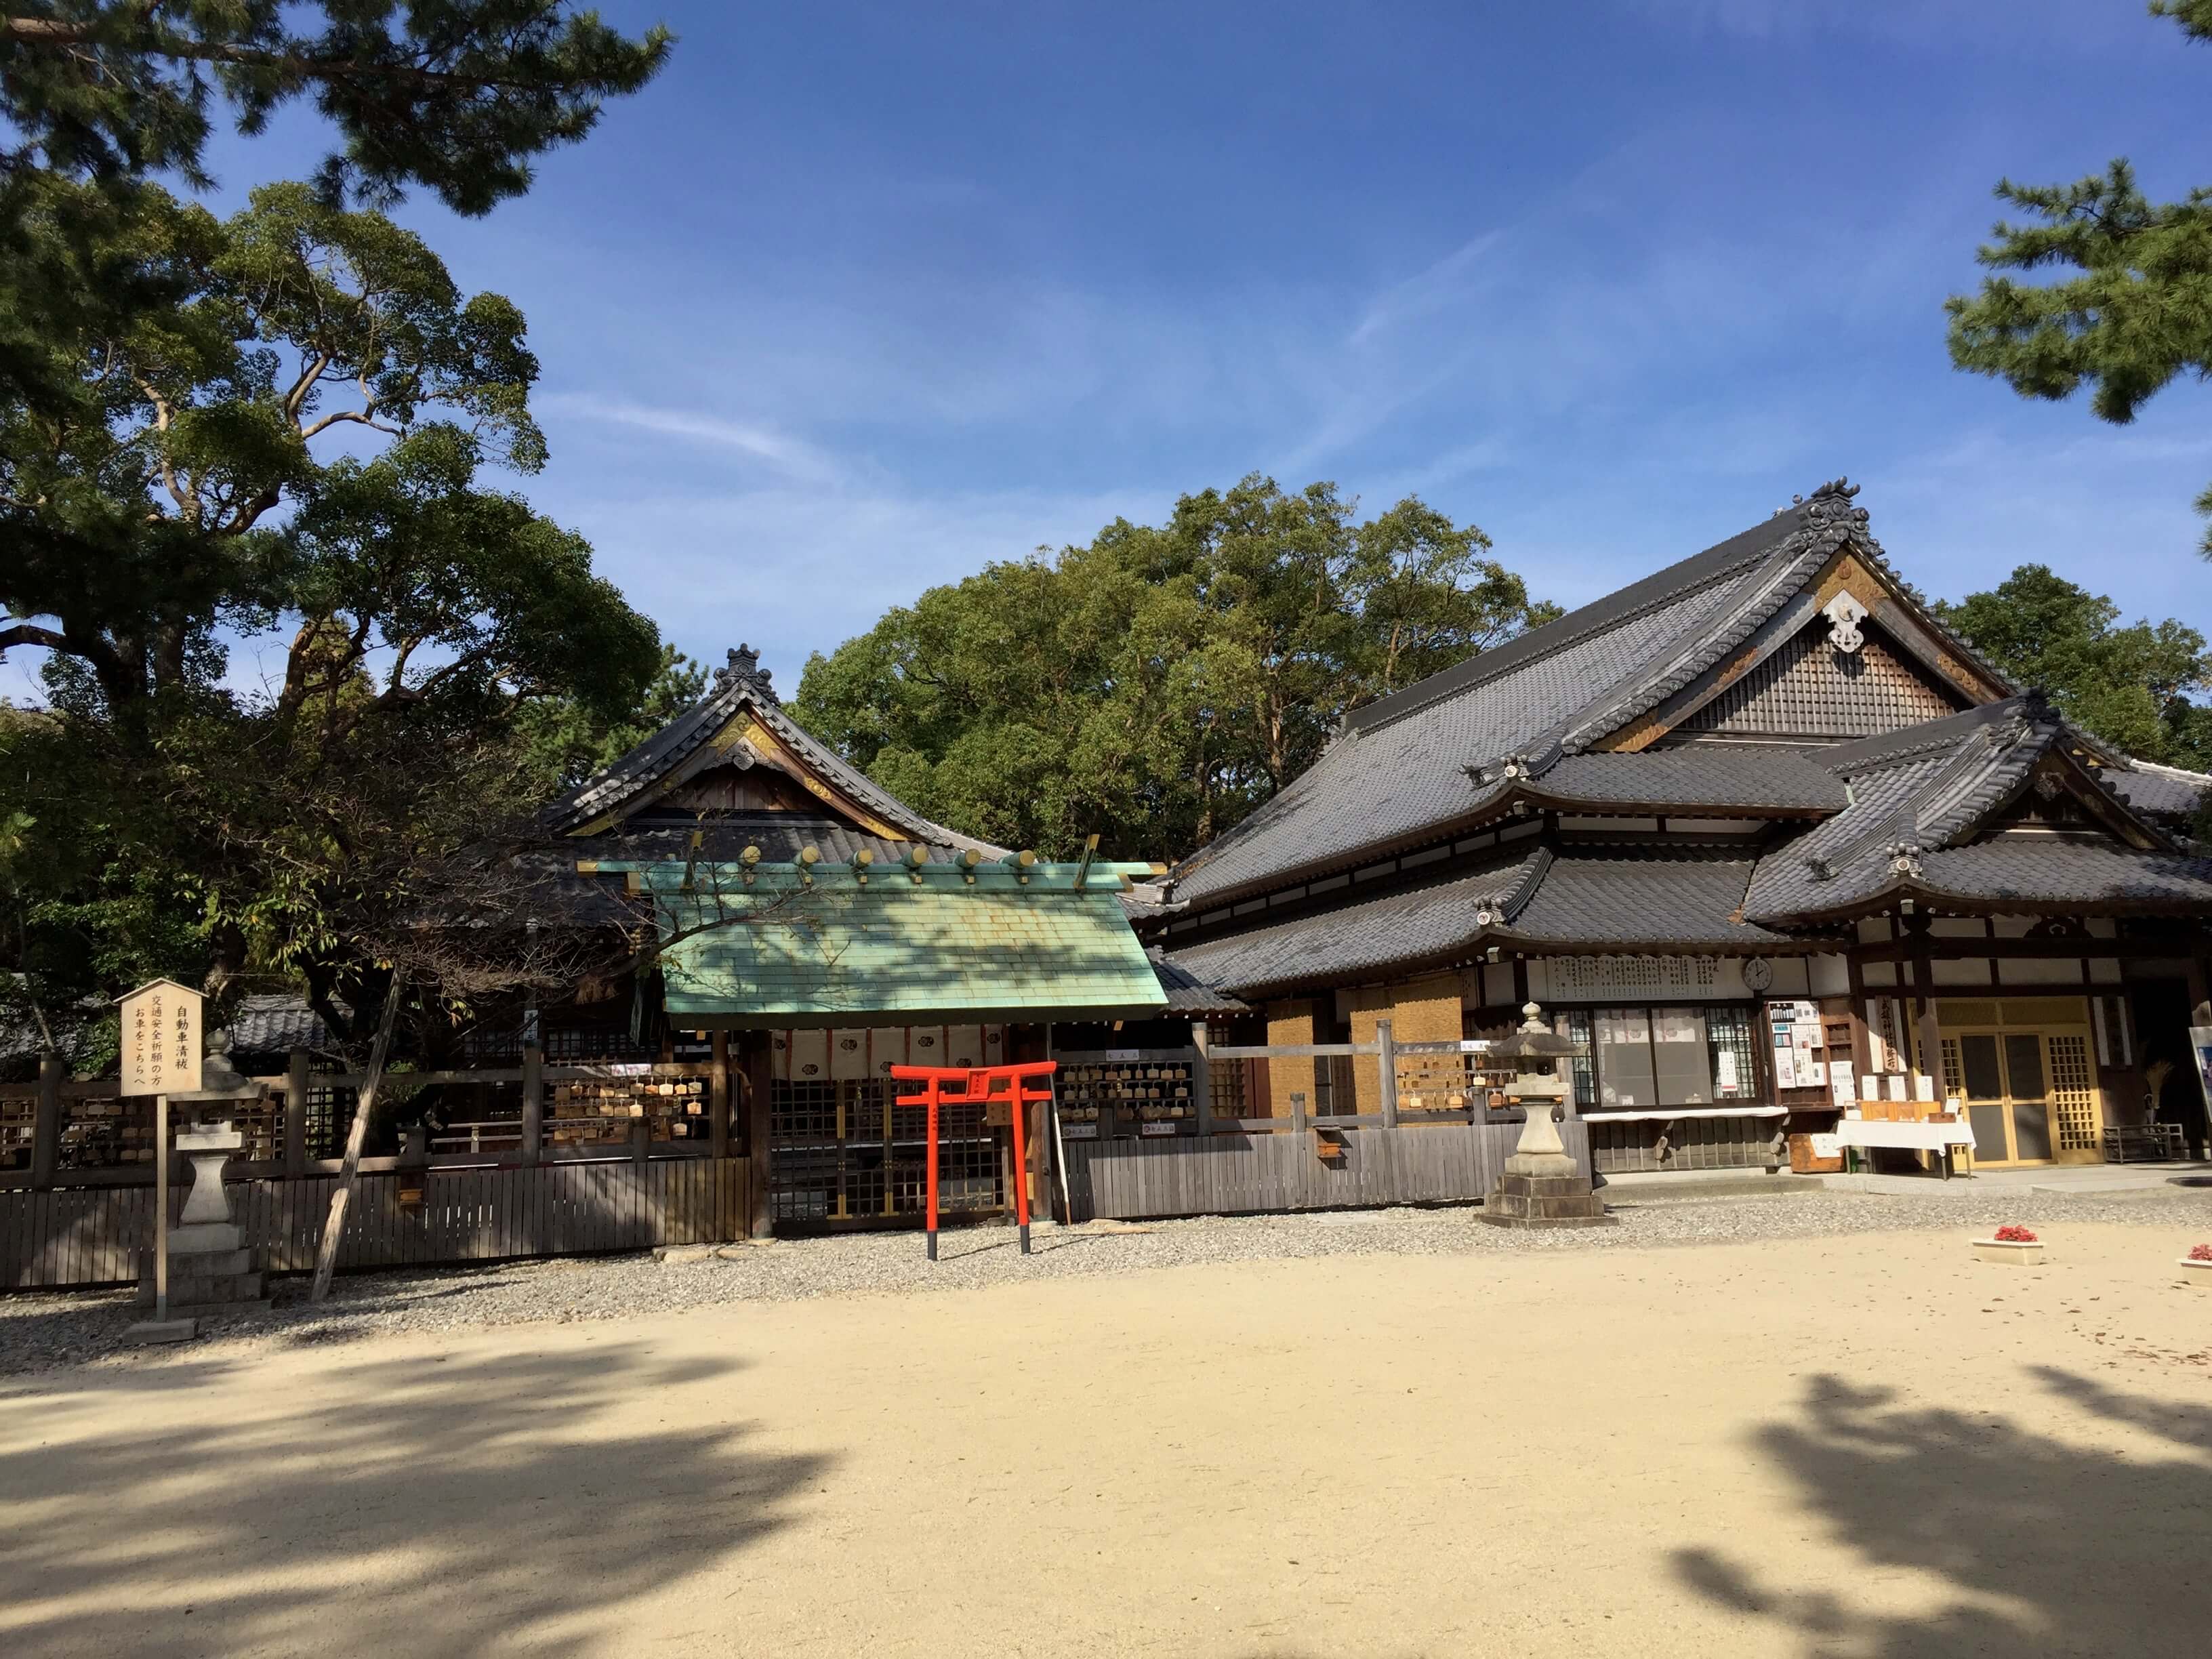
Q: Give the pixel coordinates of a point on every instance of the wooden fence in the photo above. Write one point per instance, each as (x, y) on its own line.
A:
(1245, 1173)
(91, 1235)
(1315, 1161)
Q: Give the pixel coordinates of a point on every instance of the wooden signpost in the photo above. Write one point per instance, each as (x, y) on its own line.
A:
(162, 1057)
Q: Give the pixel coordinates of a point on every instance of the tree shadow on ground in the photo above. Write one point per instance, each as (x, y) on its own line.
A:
(404, 1506)
(2045, 1547)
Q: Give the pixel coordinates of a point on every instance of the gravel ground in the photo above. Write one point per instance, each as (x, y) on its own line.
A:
(39, 1332)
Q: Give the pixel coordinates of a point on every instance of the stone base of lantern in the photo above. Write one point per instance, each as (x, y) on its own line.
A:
(211, 1270)
(1545, 1200)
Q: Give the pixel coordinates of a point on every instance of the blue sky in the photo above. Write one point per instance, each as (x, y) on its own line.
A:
(854, 299)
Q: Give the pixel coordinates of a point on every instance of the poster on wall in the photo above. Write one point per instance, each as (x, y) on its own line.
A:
(1785, 1067)
(2200, 1044)
(1842, 1085)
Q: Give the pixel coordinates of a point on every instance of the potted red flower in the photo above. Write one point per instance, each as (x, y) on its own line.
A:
(2013, 1243)
(2197, 1264)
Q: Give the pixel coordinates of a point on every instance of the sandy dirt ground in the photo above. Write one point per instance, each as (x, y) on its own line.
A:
(1869, 1446)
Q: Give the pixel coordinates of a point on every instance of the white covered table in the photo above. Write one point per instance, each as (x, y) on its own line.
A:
(1944, 1140)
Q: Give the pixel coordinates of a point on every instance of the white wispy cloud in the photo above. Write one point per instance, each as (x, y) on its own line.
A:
(780, 450)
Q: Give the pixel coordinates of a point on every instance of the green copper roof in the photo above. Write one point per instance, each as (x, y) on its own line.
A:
(834, 946)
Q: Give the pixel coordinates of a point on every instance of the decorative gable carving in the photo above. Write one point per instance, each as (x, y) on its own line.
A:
(1845, 614)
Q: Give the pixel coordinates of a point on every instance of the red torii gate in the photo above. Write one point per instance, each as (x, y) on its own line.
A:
(977, 1086)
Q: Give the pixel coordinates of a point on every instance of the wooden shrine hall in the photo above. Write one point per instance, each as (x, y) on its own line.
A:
(1794, 868)
(816, 931)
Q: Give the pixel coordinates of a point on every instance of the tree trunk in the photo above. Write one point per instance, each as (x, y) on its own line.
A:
(327, 1258)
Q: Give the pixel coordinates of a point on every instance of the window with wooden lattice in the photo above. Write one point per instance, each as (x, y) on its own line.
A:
(2072, 1092)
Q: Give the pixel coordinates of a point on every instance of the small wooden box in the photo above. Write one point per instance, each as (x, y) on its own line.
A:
(1803, 1160)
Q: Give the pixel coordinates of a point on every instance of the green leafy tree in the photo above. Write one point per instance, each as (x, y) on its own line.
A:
(1156, 684)
(98, 97)
(566, 739)
(455, 94)
(190, 506)
(2136, 685)
(140, 505)
(2130, 309)
(298, 651)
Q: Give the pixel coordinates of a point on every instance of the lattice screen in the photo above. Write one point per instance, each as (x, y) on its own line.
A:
(18, 1120)
(2072, 1092)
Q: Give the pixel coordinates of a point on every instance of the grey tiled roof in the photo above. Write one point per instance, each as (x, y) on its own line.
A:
(1922, 823)
(1399, 771)
(1677, 900)
(276, 1026)
(1710, 775)
(742, 685)
(1429, 925)
(2055, 870)
(2166, 792)
(1404, 775)
(1186, 994)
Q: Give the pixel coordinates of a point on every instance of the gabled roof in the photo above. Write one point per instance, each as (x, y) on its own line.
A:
(1929, 819)
(740, 722)
(1398, 773)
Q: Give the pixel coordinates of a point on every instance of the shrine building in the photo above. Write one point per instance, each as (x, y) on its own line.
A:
(1772, 844)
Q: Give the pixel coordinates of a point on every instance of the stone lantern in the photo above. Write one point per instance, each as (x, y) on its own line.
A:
(211, 1271)
(1542, 1185)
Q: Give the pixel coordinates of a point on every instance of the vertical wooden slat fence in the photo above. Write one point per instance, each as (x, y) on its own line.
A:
(1402, 1154)
(1248, 1174)
(97, 1236)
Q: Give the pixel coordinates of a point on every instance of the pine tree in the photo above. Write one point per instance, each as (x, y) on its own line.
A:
(2138, 313)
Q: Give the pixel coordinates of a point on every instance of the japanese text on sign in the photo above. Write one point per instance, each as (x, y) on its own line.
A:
(162, 1040)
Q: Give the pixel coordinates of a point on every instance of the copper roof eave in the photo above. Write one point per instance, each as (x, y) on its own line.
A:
(861, 1018)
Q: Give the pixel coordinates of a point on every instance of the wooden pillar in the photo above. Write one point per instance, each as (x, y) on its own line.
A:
(1386, 1062)
(46, 1125)
(296, 1114)
(641, 1141)
(760, 1212)
(1298, 1112)
(718, 1098)
(533, 1102)
(1923, 985)
(1201, 1076)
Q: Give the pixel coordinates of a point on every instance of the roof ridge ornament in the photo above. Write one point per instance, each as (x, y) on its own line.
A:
(744, 664)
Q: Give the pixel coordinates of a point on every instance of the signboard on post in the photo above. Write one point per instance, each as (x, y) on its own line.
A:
(162, 1040)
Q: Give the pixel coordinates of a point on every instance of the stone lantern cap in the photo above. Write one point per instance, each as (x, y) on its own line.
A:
(219, 1078)
(1534, 1041)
